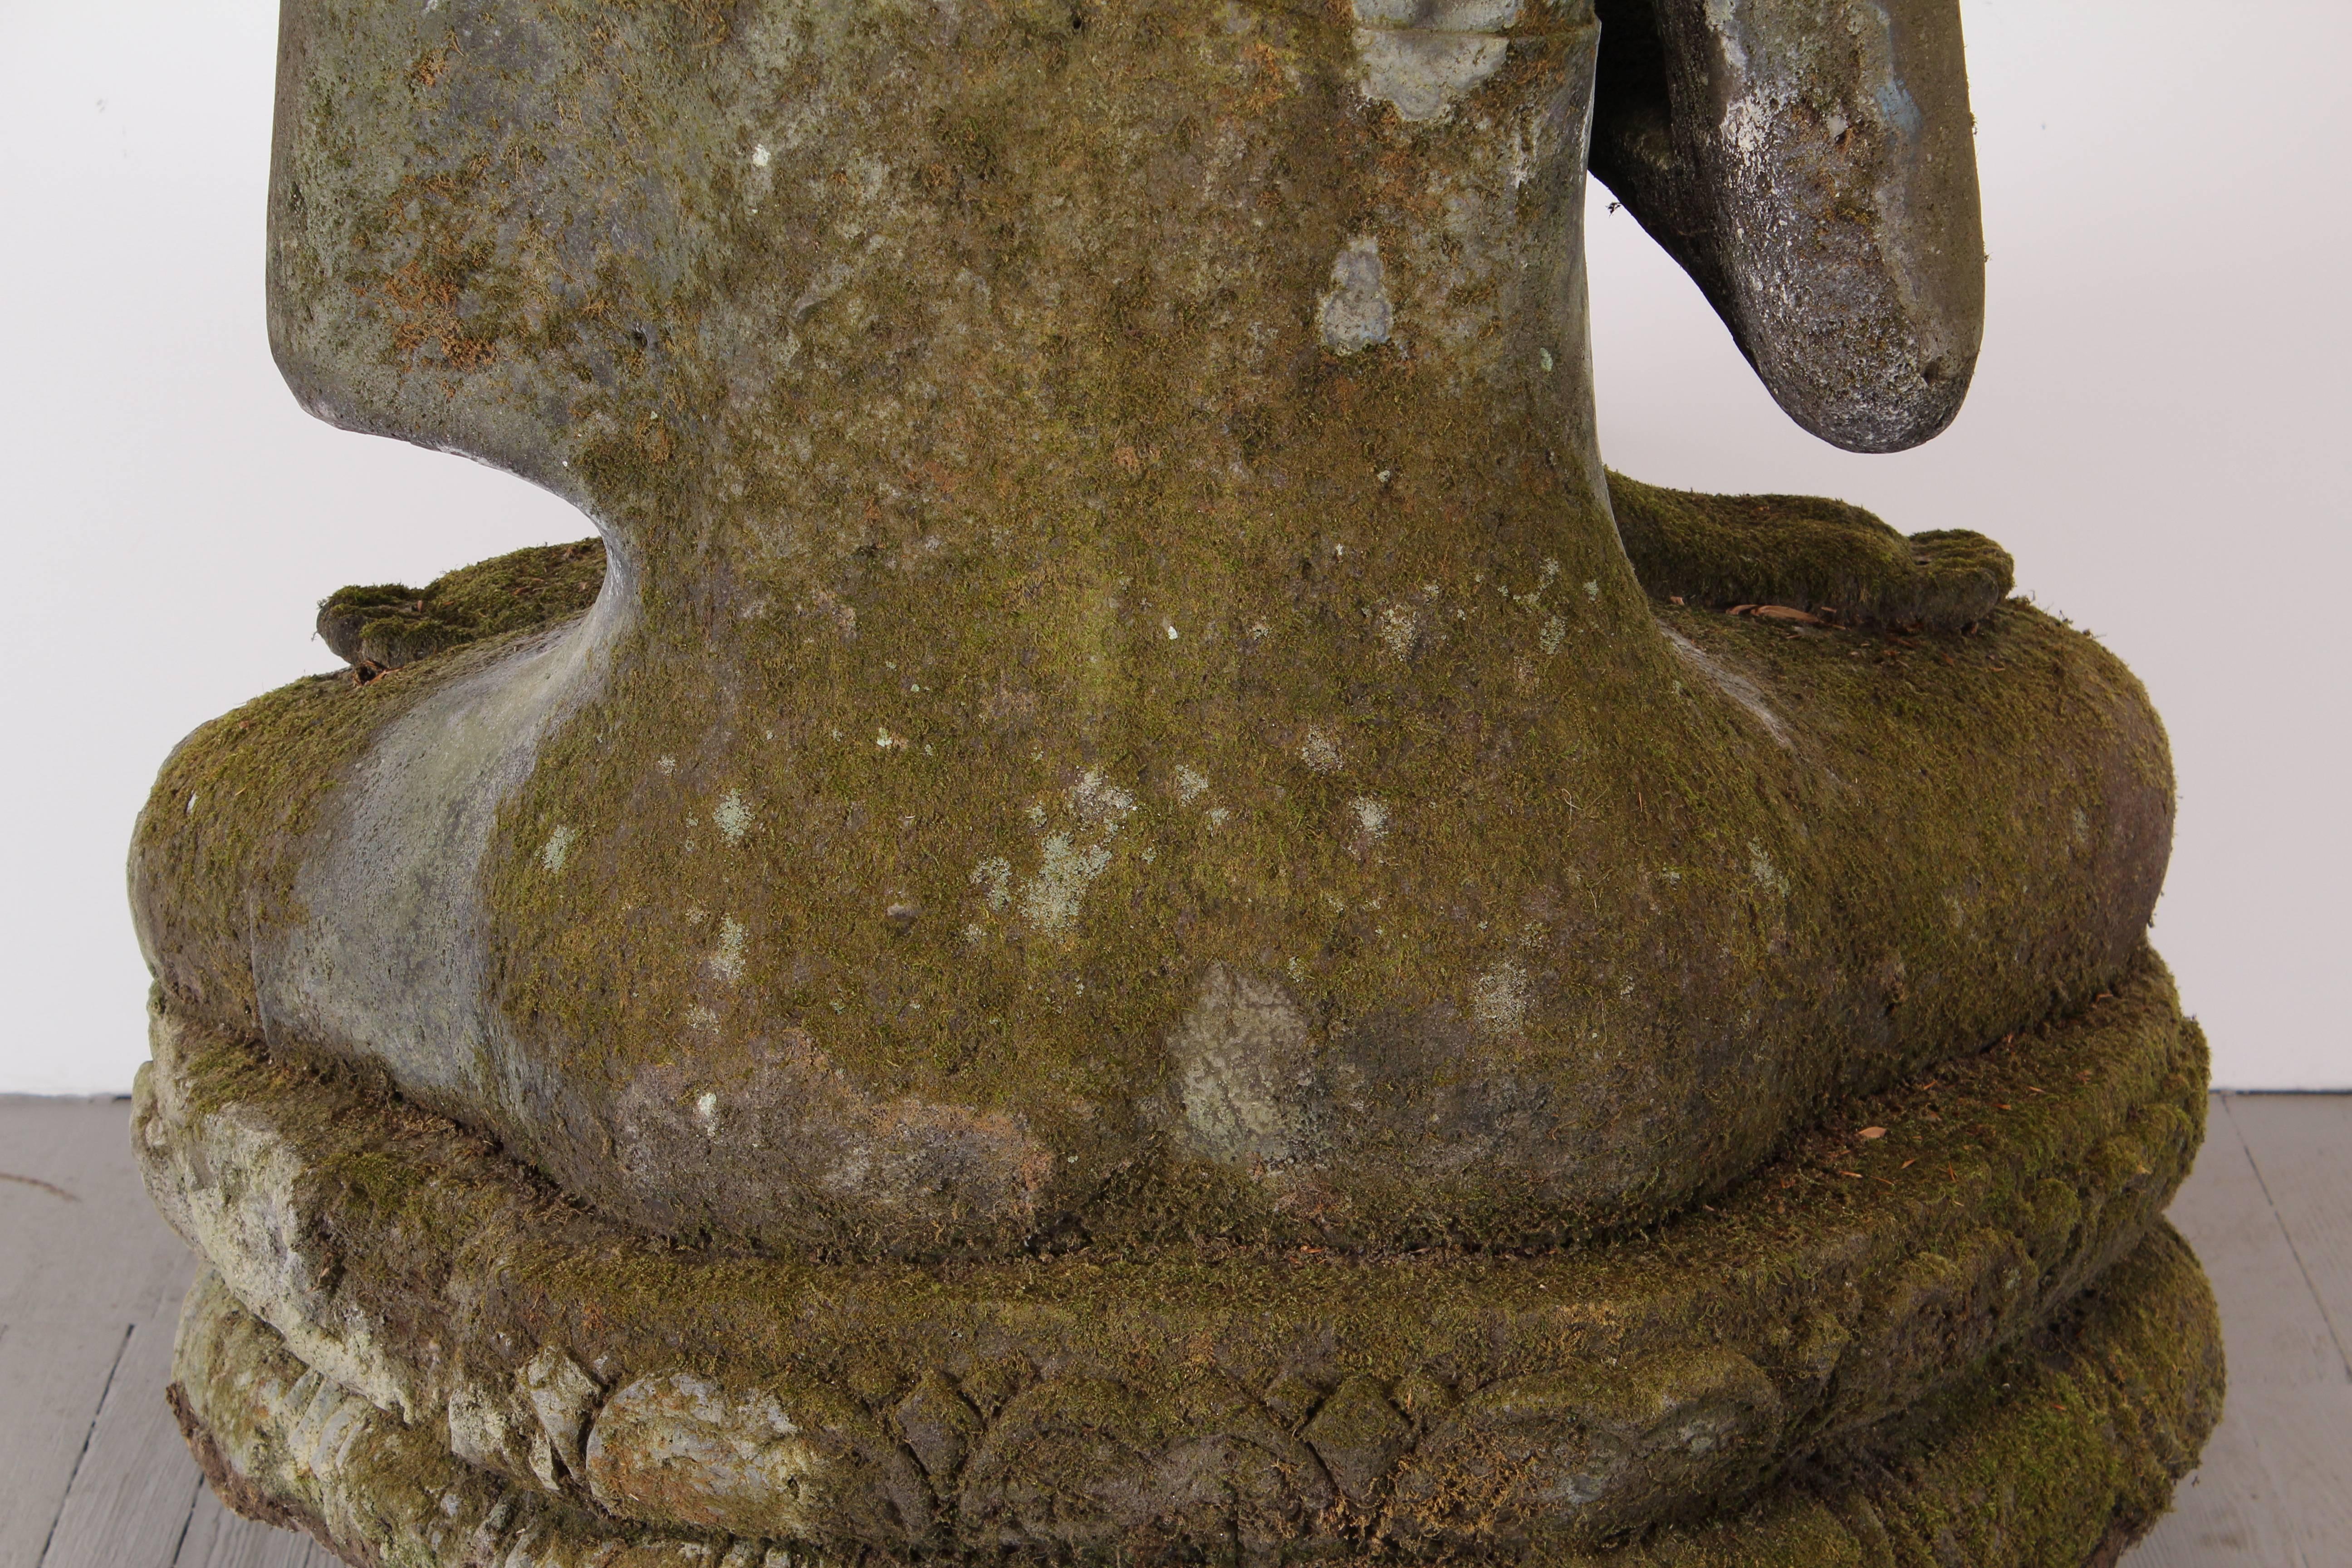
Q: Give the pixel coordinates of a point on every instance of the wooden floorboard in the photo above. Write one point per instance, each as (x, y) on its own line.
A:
(2302, 1149)
(75, 1228)
(93, 1475)
(130, 1497)
(219, 1539)
(2271, 1491)
(55, 1374)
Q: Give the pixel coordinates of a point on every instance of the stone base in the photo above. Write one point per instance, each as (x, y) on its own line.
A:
(1193, 1402)
(2061, 1450)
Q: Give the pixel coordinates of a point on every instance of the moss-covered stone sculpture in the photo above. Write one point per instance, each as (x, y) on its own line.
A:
(1148, 919)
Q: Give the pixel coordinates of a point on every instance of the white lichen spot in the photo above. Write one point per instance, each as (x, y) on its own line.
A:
(975, 932)
(1545, 355)
(885, 739)
(727, 962)
(1320, 752)
(191, 806)
(695, 914)
(554, 852)
(1051, 899)
(1399, 630)
(1035, 813)
(666, 765)
(1215, 816)
(761, 157)
(1498, 999)
(1722, 21)
(1355, 314)
(1370, 815)
(701, 1017)
(1191, 784)
(1554, 630)
(1593, 589)
(993, 877)
(1768, 876)
(1171, 631)
(734, 817)
(706, 1111)
(1099, 804)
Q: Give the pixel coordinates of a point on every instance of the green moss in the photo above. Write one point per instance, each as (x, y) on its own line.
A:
(1618, 936)
(1854, 1275)
(215, 851)
(1803, 552)
(390, 625)
(2061, 1451)
(2054, 1455)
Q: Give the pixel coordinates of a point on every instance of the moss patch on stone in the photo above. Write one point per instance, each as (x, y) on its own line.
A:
(388, 624)
(2056, 1453)
(215, 852)
(1837, 1286)
(1046, 491)
(1805, 553)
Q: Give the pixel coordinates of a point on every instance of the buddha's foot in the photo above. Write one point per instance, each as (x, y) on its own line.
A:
(1945, 1326)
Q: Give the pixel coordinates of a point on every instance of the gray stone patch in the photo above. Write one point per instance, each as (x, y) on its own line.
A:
(1731, 684)
(679, 1447)
(1243, 1059)
(1425, 56)
(1355, 314)
(244, 1209)
(562, 1397)
(391, 965)
(779, 1142)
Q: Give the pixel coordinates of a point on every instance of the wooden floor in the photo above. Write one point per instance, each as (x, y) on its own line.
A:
(93, 1475)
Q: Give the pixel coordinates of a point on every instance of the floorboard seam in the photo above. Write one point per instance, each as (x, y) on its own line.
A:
(187, 1521)
(2293, 1251)
(72, 1475)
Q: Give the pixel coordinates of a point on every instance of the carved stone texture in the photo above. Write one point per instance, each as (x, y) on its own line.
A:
(1039, 614)
(1434, 1402)
(2055, 1453)
(1149, 918)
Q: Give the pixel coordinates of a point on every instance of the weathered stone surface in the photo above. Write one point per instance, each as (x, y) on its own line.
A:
(1101, 509)
(1142, 922)
(1071, 1401)
(2056, 1453)
(1811, 165)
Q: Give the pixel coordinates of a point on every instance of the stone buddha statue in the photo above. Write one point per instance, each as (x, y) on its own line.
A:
(1128, 909)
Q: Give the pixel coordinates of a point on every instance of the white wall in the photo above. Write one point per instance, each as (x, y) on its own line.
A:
(2155, 432)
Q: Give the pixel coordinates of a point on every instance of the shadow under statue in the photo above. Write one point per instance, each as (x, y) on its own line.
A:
(1129, 911)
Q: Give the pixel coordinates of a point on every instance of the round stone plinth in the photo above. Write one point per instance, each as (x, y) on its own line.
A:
(1205, 1398)
(2061, 1449)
